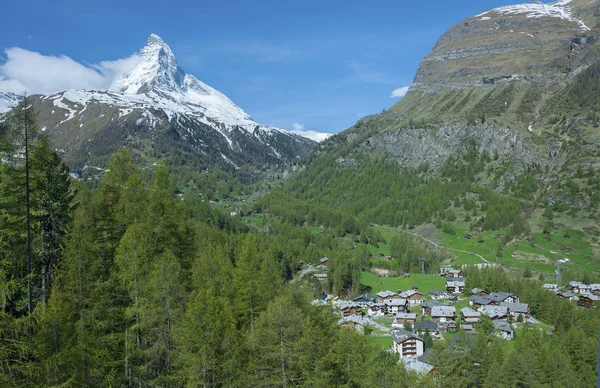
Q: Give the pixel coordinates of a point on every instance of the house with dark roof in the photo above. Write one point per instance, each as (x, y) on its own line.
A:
(414, 297)
(419, 367)
(496, 312)
(364, 299)
(500, 297)
(425, 326)
(386, 295)
(395, 306)
(503, 329)
(376, 309)
(469, 315)
(428, 305)
(516, 309)
(349, 308)
(479, 302)
(588, 301)
(407, 344)
(443, 313)
(566, 295)
(323, 262)
(455, 284)
(401, 318)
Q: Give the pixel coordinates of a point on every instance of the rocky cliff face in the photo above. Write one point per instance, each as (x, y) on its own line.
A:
(536, 42)
(500, 82)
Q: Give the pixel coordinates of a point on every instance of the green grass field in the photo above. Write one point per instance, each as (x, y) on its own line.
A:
(381, 342)
(426, 282)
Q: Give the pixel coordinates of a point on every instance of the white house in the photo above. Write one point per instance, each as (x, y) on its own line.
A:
(407, 344)
(443, 313)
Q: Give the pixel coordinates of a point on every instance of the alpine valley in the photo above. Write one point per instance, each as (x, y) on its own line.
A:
(451, 240)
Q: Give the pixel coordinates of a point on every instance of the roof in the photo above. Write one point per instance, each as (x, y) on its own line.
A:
(425, 325)
(516, 307)
(406, 316)
(466, 327)
(595, 286)
(432, 304)
(565, 294)
(409, 293)
(454, 279)
(503, 325)
(455, 283)
(499, 296)
(359, 319)
(442, 311)
(400, 336)
(385, 294)
(347, 304)
(495, 311)
(438, 292)
(395, 302)
(325, 259)
(365, 297)
(481, 300)
(468, 312)
(417, 366)
(550, 286)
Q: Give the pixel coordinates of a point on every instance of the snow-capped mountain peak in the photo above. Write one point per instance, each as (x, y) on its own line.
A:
(158, 79)
(157, 69)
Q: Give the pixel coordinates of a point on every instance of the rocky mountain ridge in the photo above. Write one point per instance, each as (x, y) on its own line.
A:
(160, 112)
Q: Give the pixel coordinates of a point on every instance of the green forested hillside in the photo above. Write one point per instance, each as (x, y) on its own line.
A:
(151, 289)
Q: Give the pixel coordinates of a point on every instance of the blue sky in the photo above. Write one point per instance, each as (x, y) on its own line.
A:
(319, 64)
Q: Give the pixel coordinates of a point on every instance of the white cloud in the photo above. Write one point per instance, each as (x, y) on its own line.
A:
(400, 92)
(30, 72)
(299, 129)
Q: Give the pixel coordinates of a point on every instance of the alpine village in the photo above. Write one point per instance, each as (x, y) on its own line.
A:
(152, 234)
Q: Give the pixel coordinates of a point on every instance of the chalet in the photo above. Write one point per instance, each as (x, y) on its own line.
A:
(396, 306)
(407, 344)
(595, 289)
(502, 297)
(452, 299)
(566, 295)
(355, 322)
(402, 318)
(427, 306)
(419, 367)
(588, 301)
(479, 302)
(469, 315)
(422, 327)
(324, 262)
(468, 328)
(414, 297)
(386, 295)
(455, 284)
(503, 329)
(447, 327)
(444, 271)
(516, 309)
(550, 286)
(443, 314)
(580, 288)
(376, 309)
(455, 273)
(415, 287)
(438, 294)
(364, 299)
(585, 289)
(349, 308)
(496, 312)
